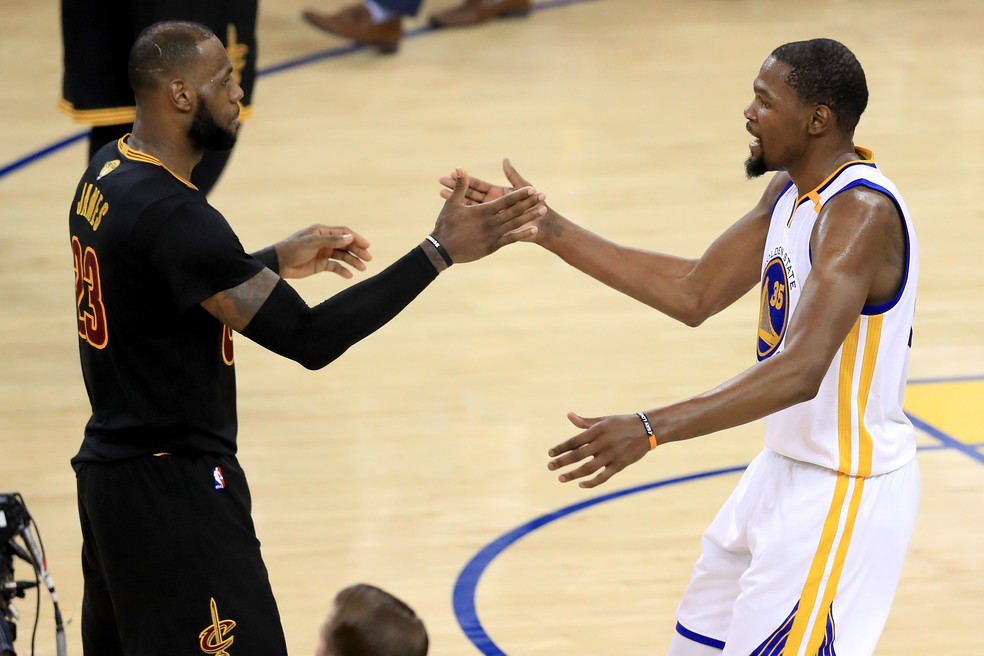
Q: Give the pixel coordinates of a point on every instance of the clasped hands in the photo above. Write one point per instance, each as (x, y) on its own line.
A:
(478, 218)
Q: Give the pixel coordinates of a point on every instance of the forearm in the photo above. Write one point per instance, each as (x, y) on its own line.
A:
(778, 383)
(316, 336)
(829, 308)
(659, 280)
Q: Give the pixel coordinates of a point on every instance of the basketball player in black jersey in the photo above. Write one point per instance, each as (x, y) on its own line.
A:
(170, 558)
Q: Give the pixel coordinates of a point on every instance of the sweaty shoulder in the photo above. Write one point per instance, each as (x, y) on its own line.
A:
(864, 224)
(866, 208)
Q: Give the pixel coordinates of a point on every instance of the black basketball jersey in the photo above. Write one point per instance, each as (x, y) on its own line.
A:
(158, 368)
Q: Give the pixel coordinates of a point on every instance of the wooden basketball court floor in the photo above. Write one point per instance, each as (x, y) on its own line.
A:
(417, 461)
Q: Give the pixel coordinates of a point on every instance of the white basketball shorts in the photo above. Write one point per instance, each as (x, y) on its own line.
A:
(801, 561)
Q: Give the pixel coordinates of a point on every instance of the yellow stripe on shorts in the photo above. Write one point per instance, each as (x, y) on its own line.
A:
(848, 488)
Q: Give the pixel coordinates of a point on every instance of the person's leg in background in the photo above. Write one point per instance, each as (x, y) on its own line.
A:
(473, 12)
(378, 23)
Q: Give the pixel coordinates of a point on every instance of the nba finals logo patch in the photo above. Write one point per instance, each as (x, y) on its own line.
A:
(774, 309)
(218, 478)
(108, 168)
(215, 638)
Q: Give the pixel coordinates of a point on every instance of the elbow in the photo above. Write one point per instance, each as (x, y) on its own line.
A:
(312, 364)
(696, 304)
(313, 359)
(804, 384)
(804, 391)
(316, 361)
(693, 320)
(317, 346)
(681, 298)
(693, 313)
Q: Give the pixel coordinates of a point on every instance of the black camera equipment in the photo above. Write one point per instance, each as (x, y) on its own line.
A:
(15, 525)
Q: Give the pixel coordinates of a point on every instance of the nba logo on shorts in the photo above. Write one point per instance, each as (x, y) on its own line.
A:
(219, 478)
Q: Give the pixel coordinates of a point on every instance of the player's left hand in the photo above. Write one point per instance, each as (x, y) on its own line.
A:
(321, 248)
(613, 443)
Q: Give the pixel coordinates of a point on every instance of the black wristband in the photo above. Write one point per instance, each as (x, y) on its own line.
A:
(440, 250)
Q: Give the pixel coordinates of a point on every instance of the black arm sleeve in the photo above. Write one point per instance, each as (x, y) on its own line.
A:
(268, 256)
(315, 336)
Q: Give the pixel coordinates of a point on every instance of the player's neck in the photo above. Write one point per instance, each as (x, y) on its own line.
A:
(173, 151)
(816, 168)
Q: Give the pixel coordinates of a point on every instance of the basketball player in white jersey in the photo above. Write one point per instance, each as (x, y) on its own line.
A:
(805, 556)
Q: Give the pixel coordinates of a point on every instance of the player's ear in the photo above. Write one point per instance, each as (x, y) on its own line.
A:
(821, 120)
(182, 94)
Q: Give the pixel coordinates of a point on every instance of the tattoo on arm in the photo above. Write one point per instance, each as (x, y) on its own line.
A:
(237, 306)
(551, 225)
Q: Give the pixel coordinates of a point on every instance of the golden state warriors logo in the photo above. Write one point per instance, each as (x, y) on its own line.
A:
(774, 308)
(215, 639)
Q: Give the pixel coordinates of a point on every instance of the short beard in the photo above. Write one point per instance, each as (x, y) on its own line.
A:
(755, 167)
(207, 134)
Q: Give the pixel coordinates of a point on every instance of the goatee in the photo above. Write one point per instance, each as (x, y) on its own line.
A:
(755, 167)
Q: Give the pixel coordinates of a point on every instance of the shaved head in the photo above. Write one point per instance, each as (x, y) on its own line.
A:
(165, 50)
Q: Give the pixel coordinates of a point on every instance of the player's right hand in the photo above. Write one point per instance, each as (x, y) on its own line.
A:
(470, 231)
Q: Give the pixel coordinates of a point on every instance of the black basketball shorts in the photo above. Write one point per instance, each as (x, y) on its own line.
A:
(171, 560)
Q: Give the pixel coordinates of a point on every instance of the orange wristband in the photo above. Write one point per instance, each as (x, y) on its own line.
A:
(649, 430)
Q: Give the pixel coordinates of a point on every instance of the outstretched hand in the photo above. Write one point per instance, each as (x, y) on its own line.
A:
(319, 248)
(480, 191)
(470, 231)
(613, 443)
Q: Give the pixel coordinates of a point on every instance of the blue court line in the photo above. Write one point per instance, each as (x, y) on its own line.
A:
(40, 154)
(465, 587)
(954, 379)
(463, 597)
(333, 53)
(944, 447)
(948, 441)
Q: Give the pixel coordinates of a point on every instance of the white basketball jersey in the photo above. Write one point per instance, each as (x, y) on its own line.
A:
(855, 425)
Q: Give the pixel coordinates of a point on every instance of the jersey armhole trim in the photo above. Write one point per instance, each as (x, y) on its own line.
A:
(881, 308)
(782, 193)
